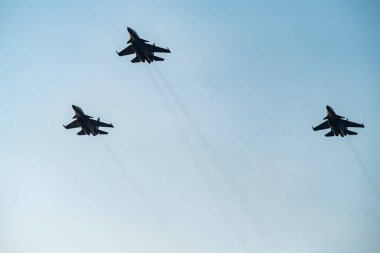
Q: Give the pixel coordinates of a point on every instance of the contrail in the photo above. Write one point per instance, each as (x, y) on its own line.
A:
(218, 199)
(365, 171)
(190, 150)
(227, 176)
(161, 92)
(149, 205)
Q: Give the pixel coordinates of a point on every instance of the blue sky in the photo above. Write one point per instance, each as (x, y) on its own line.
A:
(255, 76)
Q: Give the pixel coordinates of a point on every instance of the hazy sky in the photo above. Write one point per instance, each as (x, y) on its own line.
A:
(253, 75)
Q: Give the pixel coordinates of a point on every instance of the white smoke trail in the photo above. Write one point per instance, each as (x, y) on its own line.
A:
(364, 169)
(159, 89)
(145, 199)
(213, 156)
(190, 151)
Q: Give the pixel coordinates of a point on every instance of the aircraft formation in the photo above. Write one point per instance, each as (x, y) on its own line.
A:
(145, 52)
(88, 125)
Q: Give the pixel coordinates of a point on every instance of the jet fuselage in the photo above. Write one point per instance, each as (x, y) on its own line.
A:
(83, 121)
(139, 47)
(335, 122)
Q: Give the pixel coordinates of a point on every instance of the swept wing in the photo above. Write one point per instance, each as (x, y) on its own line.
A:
(351, 124)
(73, 124)
(322, 126)
(126, 51)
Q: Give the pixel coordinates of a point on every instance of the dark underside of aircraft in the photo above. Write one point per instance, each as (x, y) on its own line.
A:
(143, 50)
(338, 125)
(88, 125)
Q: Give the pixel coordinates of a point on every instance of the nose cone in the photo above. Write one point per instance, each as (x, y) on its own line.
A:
(132, 33)
(74, 107)
(328, 108)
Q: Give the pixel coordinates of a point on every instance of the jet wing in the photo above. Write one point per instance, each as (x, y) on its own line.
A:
(322, 126)
(73, 124)
(126, 51)
(100, 124)
(154, 49)
(351, 124)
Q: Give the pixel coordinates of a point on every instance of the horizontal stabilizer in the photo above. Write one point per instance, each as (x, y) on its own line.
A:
(155, 58)
(102, 132)
(136, 59)
(81, 133)
(351, 133)
(329, 134)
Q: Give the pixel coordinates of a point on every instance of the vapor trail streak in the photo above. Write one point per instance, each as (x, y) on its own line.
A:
(364, 170)
(161, 92)
(183, 133)
(227, 176)
(146, 201)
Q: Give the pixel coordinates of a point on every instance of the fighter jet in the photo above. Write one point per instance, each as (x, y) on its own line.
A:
(88, 125)
(143, 50)
(337, 124)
